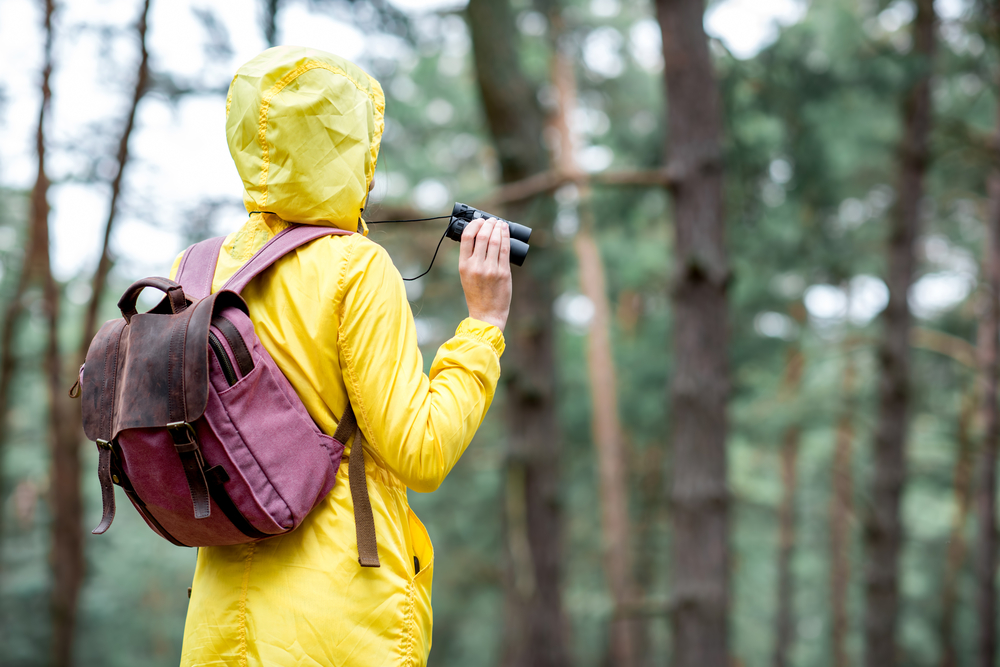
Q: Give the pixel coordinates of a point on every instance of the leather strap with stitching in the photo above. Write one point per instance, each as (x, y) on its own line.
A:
(186, 444)
(236, 344)
(107, 490)
(182, 433)
(104, 446)
(364, 520)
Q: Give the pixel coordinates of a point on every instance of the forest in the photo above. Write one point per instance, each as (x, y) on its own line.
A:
(748, 412)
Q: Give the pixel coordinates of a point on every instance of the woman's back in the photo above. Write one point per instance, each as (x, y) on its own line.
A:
(304, 128)
(335, 319)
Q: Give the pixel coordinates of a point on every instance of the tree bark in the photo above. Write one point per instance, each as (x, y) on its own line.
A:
(66, 432)
(104, 265)
(986, 489)
(611, 453)
(700, 385)
(534, 623)
(883, 529)
(269, 21)
(784, 618)
(841, 503)
(606, 430)
(12, 315)
(961, 483)
(67, 538)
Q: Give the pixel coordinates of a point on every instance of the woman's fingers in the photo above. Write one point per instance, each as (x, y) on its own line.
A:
(504, 258)
(486, 243)
(483, 238)
(469, 239)
(496, 242)
(485, 273)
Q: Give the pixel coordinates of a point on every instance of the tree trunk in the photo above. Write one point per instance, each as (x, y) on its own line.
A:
(700, 385)
(883, 529)
(606, 430)
(66, 434)
(841, 503)
(962, 482)
(535, 626)
(269, 21)
(648, 559)
(104, 265)
(986, 490)
(12, 314)
(67, 538)
(611, 454)
(784, 618)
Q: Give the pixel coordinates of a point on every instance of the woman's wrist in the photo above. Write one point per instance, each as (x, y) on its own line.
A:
(496, 319)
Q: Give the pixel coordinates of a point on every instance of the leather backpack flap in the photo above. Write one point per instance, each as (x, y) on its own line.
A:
(163, 371)
(97, 386)
(151, 371)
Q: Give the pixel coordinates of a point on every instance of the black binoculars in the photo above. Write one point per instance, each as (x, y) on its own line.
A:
(463, 214)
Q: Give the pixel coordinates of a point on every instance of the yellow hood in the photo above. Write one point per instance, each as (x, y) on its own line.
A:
(304, 128)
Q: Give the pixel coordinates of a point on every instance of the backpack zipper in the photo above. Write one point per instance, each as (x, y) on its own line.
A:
(220, 353)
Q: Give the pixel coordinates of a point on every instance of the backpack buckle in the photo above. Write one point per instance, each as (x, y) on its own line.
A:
(186, 443)
(185, 438)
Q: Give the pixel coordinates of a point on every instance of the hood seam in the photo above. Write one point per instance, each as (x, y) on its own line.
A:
(265, 106)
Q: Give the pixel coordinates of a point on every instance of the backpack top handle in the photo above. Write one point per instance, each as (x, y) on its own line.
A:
(175, 296)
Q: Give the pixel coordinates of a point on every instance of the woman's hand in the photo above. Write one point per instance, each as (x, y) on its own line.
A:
(484, 266)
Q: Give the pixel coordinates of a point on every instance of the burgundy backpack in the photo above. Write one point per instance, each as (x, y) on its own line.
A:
(197, 424)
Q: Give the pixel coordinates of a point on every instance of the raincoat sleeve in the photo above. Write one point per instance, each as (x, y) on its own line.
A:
(418, 425)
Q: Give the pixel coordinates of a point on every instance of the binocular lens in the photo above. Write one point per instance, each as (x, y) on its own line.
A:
(518, 251)
(519, 233)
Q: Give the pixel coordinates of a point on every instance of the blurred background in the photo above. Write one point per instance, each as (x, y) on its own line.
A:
(748, 413)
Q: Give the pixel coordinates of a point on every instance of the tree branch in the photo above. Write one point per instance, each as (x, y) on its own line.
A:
(104, 265)
(548, 181)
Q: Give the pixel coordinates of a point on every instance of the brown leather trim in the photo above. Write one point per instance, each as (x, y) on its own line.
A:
(236, 343)
(176, 409)
(196, 352)
(163, 365)
(173, 291)
(98, 377)
(107, 490)
(186, 444)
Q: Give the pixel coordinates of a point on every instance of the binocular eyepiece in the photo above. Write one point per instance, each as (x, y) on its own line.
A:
(463, 214)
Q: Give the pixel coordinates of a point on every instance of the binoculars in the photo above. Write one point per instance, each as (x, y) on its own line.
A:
(463, 214)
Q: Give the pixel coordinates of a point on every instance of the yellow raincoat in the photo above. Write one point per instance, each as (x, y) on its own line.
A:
(304, 129)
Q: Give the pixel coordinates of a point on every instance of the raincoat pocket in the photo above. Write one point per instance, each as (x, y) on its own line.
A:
(420, 589)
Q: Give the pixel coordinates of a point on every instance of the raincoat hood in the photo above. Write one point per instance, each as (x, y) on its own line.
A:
(304, 128)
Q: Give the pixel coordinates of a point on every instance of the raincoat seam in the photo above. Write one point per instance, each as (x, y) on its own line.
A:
(229, 95)
(265, 106)
(408, 639)
(243, 605)
(359, 408)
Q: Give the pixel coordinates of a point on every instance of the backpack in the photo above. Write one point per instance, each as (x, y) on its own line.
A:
(197, 424)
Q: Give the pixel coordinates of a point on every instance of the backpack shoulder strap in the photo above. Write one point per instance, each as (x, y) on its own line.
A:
(197, 269)
(281, 244)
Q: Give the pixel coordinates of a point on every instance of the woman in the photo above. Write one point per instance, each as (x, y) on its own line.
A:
(304, 128)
